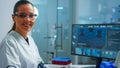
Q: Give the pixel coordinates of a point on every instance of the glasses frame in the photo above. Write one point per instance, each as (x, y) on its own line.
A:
(31, 16)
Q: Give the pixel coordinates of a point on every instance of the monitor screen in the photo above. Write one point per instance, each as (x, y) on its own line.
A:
(96, 40)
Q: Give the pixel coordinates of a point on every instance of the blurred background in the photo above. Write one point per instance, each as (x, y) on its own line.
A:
(53, 27)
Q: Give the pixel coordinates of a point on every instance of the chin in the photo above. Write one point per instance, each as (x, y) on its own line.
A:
(26, 31)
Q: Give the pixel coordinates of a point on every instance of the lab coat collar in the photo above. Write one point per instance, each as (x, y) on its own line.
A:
(19, 37)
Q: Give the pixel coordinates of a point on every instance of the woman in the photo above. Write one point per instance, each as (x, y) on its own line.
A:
(17, 49)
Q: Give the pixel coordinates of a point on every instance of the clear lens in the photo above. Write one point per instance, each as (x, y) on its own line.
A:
(32, 16)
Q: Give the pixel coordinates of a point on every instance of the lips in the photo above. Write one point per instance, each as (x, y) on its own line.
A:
(26, 24)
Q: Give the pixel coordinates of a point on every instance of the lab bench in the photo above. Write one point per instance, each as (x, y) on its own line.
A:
(70, 66)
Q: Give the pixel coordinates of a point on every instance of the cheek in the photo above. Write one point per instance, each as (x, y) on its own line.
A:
(33, 22)
(18, 22)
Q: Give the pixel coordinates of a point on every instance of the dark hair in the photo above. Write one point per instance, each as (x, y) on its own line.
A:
(19, 3)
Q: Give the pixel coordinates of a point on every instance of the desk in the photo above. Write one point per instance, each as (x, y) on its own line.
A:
(58, 66)
(70, 66)
(83, 66)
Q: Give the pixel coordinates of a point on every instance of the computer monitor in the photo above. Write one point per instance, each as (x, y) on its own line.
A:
(96, 40)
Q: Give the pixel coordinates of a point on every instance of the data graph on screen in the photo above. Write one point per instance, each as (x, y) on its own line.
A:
(96, 40)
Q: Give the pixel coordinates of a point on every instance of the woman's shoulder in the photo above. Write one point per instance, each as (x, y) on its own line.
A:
(8, 38)
(8, 41)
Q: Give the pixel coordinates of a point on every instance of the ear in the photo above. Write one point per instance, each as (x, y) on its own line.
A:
(13, 17)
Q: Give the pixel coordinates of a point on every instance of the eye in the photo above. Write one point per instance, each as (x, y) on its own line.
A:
(32, 15)
(22, 15)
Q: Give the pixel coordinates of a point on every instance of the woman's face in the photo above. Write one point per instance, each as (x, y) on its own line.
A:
(24, 18)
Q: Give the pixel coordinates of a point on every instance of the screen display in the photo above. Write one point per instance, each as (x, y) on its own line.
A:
(96, 40)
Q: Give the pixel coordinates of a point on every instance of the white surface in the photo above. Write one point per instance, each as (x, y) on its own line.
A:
(68, 66)
(57, 66)
(81, 66)
(117, 61)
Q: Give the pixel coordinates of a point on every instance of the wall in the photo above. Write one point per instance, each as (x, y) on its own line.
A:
(96, 11)
(6, 8)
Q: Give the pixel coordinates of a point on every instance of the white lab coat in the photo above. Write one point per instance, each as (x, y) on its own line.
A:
(15, 51)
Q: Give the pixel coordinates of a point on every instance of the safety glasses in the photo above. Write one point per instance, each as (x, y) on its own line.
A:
(31, 16)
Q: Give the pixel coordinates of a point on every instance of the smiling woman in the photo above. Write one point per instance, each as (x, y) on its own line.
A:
(18, 49)
(24, 19)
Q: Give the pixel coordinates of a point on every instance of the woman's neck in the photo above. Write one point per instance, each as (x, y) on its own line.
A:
(24, 34)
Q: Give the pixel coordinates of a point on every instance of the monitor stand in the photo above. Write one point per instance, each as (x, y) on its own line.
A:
(98, 62)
